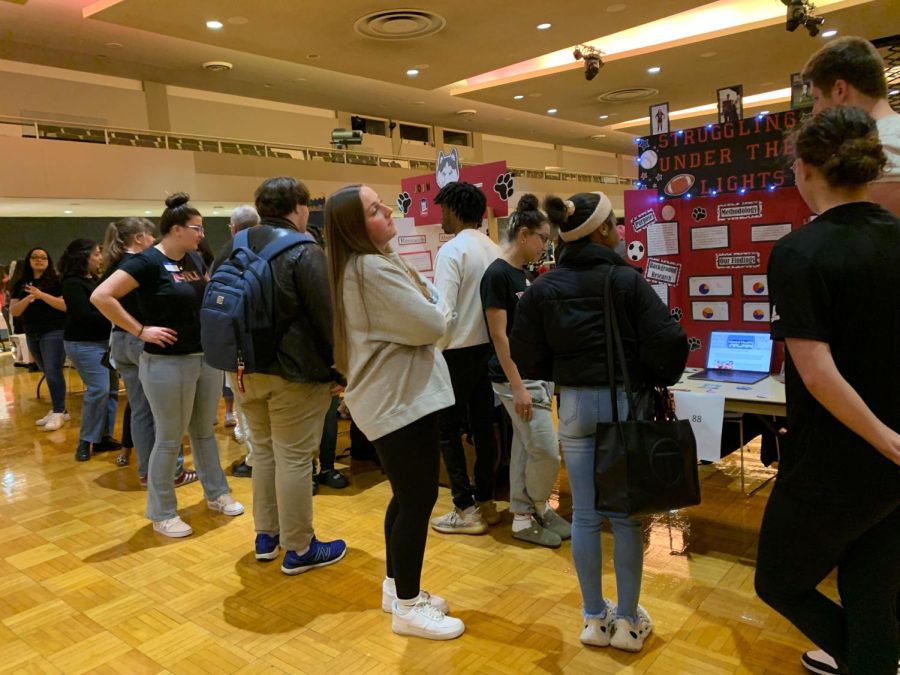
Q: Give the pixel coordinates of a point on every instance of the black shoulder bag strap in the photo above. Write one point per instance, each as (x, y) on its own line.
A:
(613, 335)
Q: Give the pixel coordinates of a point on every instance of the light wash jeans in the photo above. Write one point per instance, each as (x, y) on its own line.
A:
(183, 392)
(50, 356)
(534, 458)
(580, 409)
(286, 420)
(125, 350)
(98, 409)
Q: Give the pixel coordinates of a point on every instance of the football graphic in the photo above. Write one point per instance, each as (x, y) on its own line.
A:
(679, 184)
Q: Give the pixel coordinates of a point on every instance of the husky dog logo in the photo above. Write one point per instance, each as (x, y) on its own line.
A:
(447, 168)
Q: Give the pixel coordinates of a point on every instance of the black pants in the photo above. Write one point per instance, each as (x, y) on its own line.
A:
(801, 542)
(475, 399)
(410, 458)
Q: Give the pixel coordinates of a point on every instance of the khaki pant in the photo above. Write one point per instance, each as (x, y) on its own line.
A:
(285, 420)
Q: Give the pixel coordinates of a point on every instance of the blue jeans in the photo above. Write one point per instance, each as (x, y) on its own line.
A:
(125, 350)
(580, 409)
(183, 392)
(98, 410)
(49, 354)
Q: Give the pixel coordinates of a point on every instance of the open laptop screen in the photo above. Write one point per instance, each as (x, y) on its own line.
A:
(730, 350)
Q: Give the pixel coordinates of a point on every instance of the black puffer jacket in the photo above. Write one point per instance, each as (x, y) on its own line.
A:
(303, 307)
(559, 333)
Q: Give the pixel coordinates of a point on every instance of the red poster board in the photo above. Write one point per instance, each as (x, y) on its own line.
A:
(416, 199)
(707, 257)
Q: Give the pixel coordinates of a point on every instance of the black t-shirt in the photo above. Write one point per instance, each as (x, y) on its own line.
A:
(39, 317)
(837, 280)
(501, 287)
(170, 292)
(132, 301)
(84, 322)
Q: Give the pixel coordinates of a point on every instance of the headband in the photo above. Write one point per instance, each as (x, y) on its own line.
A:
(598, 217)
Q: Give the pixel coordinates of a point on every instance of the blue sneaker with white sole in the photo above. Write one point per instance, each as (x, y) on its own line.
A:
(320, 554)
(266, 546)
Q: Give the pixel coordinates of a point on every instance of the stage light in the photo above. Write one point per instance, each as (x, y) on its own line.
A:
(800, 13)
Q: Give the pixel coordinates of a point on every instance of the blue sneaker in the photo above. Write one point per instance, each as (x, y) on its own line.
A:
(319, 554)
(266, 547)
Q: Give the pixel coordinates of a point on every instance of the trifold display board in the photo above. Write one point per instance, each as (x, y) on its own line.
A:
(707, 256)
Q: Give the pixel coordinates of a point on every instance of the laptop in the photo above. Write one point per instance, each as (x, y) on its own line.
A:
(738, 357)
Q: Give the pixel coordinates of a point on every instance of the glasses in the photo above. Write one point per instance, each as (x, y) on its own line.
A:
(544, 237)
(197, 228)
(39, 257)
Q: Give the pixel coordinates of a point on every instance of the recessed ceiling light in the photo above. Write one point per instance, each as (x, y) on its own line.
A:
(654, 70)
(707, 55)
(412, 72)
(68, 211)
(238, 20)
(421, 66)
(597, 136)
(300, 79)
(214, 25)
(268, 85)
(147, 213)
(616, 8)
(763, 112)
(551, 111)
(604, 117)
(518, 97)
(831, 32)
(544, 26)
(114, 45)
(312, 57)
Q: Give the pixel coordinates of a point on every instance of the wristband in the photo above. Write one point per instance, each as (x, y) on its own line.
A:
(139, 332)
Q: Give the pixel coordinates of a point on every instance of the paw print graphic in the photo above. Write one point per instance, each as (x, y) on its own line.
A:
(676, 313)
(404, 201)
(503, 186)
(694, 344)
(699, 213)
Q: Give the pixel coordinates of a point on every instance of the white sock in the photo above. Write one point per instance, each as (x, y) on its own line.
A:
(405, 605)
(390, 585)
(521, 521)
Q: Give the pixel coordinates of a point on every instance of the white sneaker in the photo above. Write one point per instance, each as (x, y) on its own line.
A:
(55, 421)
(389, 594)
(426, 621)
(630, 636)
(597, 632)
(459, 522)
(225, 504)
(173, 527)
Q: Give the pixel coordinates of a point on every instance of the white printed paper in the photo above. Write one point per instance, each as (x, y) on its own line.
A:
(709, 237)
(706, 413)
(709, 311)
(663, 271)
(756, 312)
(411, 239)
(756, 284)
(662, 239)
(662, 291)
(420, 260)
(701, 286)
(769, 232)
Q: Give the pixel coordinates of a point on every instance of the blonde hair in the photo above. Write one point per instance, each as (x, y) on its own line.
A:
(120, 235)
(346, 240)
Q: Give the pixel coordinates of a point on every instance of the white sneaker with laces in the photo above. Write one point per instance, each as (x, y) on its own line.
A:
(820, 662)
(42, 421)
(630, 636)
(424, 620)
(55, 421)
(597, 632)
(389, 594)
(173, 527)
(460, 522)
(225, 504)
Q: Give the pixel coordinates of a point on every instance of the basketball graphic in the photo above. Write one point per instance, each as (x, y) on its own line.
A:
(758, 314)
(759, 287)
(704, 289)
(708, 312)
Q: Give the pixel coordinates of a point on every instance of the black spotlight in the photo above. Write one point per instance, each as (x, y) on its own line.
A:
(796, 14)
(812, 24)
(592, 61)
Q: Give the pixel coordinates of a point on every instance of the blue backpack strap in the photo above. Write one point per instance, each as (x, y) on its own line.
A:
(284, 242)
(241, 239)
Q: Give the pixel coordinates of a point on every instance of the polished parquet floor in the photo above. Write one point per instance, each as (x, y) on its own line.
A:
(86, 586)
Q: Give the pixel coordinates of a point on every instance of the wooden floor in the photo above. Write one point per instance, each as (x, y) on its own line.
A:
(86, 586)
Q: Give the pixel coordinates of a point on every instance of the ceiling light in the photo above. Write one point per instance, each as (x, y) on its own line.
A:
(518, 97)
(238, 20)
(654, 70)
(68, 211)
(764, 112)
(214, 25)
(604, 117)
(551, 111)
(829, 33)
(147, 213)
(114, 45)
(412, 72)
(312, 57)
(544, 26)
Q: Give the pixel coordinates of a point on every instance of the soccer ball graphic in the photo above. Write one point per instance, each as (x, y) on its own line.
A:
(635, 250)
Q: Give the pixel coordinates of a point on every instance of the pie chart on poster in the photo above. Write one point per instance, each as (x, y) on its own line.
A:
(679, 184)
(708, 313)
(758, 314)
(668, 212)
(759, 287)
(648, 159)
(704, 289)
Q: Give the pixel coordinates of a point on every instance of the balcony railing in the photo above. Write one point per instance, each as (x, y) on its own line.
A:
(80, 133)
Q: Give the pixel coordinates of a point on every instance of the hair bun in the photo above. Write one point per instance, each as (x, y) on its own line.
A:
(528, 202)
(177, 199)
(570, 207)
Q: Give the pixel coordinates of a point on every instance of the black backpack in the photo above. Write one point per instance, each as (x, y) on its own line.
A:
(237, 318)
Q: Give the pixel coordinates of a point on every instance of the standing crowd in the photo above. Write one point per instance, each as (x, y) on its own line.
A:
(417, 362)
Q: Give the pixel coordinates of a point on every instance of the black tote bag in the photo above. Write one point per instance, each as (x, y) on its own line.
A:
(641, 466)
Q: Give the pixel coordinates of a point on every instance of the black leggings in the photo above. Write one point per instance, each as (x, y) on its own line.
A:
(801, 542)
(411, 459)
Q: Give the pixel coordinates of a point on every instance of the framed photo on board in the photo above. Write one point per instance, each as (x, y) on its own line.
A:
(731, 103)
(801, 93)
(659, 119)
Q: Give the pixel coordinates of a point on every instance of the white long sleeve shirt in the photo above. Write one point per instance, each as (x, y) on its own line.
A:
(460, 264)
